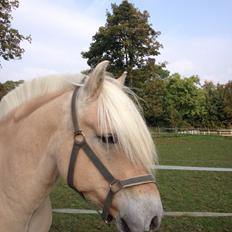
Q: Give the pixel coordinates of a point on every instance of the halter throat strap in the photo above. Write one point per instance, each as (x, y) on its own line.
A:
(115, 185)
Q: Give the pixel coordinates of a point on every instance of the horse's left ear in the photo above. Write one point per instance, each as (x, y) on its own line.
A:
(95, 81)
(122, 78)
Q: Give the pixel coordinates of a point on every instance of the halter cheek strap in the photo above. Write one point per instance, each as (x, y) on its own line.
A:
(115, 185)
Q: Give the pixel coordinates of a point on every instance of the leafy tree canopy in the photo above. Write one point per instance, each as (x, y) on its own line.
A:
(184, 100)
(127, 40)
(8, 86)
(10, 38)
(227, 106)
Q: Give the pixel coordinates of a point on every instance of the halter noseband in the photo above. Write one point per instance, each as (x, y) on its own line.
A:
(115, 185)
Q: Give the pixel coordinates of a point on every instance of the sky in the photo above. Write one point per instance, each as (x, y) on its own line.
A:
(196, 36)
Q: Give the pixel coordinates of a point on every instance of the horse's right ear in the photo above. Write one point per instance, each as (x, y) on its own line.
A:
(122, 78)
(94, 83)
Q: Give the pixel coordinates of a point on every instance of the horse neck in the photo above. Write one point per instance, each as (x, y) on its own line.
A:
(28, 166)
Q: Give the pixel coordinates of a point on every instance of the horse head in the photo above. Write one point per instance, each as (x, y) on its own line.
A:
(109, 127)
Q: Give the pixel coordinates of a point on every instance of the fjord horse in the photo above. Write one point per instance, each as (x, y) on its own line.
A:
(102, 130)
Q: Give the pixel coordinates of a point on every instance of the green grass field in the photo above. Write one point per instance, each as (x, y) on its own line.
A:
(180, 190)
(208, 151)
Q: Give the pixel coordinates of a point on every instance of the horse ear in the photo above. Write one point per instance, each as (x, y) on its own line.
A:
(122, 78)
(95, 81)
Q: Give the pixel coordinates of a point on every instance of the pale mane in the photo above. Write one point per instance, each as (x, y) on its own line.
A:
(117, 112)
(35, 88)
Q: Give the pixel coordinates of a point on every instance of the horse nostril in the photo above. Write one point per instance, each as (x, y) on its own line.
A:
(125, 226)
(154, 223)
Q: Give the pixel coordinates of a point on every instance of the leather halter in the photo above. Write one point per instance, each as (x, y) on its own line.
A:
(115, 185)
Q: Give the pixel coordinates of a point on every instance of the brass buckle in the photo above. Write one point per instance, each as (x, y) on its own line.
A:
(115, 186)
(79, 137)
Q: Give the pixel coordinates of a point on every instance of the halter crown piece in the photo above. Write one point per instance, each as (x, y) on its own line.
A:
(115, 185)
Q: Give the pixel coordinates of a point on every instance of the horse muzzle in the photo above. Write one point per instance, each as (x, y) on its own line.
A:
(140, 215)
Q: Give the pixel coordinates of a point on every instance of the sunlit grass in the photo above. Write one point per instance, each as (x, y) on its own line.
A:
(208, 151)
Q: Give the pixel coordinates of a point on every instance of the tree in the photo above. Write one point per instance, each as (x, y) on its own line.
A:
(227, 104)
(10, 38)
(127, 40)
(149, 85)
(218, 105)
(184, 101)
(212, 104)
(8, 86)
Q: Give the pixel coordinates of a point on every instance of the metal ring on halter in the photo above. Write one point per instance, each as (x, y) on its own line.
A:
(78, 132)
(79, 137)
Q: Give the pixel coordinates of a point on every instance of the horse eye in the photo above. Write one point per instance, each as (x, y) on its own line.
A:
(112, 139)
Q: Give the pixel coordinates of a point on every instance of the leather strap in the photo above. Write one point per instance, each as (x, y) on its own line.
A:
(76, 147)
(72, 163)
(137, 181)
(71, 168)
(98, 164)
(74, 112)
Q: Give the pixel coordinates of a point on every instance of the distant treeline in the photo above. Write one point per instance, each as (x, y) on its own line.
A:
(175, 101)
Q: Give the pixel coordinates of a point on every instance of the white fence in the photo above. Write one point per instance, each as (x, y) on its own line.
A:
(188, 168)
(169, 214)
(192, 131)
